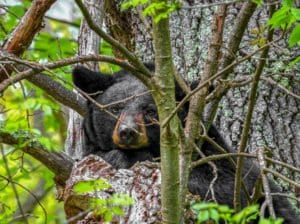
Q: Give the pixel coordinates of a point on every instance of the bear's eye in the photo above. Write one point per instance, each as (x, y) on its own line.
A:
(151, 112)
(115, 109)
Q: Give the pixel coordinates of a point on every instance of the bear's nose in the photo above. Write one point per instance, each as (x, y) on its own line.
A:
(127, 134)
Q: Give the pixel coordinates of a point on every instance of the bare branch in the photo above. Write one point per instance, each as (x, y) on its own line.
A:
(71, 23)
(59, 92)
(24, 32)
(279, 175)
(219, 157)
(218, 74)
(234, 41)
(202, 6)
(37, 68)
(283, 164)
(247, 123)
(59, 163)
(265, 182)
(274, 83)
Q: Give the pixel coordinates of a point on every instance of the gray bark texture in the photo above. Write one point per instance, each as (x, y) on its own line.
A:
(141, 182)
(89, 43)
(276, 118)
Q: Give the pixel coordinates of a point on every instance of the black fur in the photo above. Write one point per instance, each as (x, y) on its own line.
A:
(99, 126)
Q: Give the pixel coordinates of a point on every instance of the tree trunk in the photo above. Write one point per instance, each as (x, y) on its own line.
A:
(89, 43)
(276, 114)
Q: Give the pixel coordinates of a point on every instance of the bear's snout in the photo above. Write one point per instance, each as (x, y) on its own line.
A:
(130, 132)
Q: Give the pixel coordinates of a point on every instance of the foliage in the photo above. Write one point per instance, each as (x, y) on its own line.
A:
(11, 18)
(26, 107)
(106, 208)
(216, 213)
(26, 174)
(288, 17)
(22, 104)
(157, 9)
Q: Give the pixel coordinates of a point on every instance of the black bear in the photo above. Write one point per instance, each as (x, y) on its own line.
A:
(128, 132)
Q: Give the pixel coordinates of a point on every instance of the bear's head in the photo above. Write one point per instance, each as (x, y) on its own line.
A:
(128, 126)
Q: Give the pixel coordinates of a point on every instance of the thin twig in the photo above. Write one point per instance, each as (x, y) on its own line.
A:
(265, 182)
(215, 175)
(9, 179)
(247, 123)
(279, 175)
(219, 157)
(218, 74)
(286, 196)
(283, 164)
(37, 68)
(201, 6)
(30, 193)
(272, 82)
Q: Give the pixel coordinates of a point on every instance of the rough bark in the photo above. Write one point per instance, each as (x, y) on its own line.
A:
(276, 114)
(141, 182)
(117, 22)
(88, 42)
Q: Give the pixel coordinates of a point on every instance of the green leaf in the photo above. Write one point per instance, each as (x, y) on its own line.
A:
(200, 206)
(101, 210)
(270, 221)
(295, 61)
(108, 216)
(288, 2)
(280, 17)
(296, 13)
(117, 211)
(214, 215)
(121, 200)
(258, 2)
(203, 216)
(83, 187)
(132, 3)
(295, 36)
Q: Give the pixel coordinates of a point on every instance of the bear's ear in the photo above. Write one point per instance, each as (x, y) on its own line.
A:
(90, 81)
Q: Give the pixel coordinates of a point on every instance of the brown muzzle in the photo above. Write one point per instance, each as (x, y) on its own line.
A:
(130, 132)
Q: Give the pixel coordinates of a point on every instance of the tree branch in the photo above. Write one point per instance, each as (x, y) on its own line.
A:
(234, 41)
(247, 123)
(197, 102)
(37, 68)
(59, 163)
(279, 175)
(130, 56)
(59, 92)
(265, 182)
(218, 74)
(24, 32)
